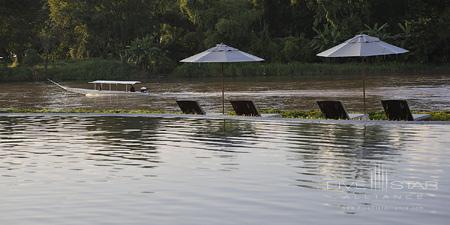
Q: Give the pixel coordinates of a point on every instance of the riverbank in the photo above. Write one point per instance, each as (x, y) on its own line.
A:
(93, 69)
(308, 70)
(293, 114)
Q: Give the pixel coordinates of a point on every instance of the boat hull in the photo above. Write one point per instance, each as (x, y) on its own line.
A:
(97, 93)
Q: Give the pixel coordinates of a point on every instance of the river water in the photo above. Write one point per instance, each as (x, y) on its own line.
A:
(431, 92)
(136, 170)
(116, 170)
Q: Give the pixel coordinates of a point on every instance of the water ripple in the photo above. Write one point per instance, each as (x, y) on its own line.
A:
(109, 170)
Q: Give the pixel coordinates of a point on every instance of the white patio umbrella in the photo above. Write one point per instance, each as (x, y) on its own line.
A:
(222, 54)
(362, 46)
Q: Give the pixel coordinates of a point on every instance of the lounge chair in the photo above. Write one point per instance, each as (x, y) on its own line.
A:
(190, 107)
(399, 110)
(336, 110)
(248, 108)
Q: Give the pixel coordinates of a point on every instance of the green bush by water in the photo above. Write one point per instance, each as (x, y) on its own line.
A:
(435, 116)
(312, 114)
(440, 116)
(16, 74)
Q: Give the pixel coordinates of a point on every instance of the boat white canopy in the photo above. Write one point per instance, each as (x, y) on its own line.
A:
(115, 82)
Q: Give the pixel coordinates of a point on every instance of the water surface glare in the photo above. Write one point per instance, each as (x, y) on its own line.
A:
(114, 170)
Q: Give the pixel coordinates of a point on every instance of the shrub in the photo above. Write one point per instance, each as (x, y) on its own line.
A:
(15, 74)
(31, 58)
(92, 69)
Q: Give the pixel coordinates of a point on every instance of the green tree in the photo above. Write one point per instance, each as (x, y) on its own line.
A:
(32, 58)
(20, 22)
(161, 32)
(148, 55)
(103, 27)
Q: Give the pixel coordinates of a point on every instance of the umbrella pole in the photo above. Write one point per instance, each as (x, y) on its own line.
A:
(364, 94)
(223, 93)
(364, 87)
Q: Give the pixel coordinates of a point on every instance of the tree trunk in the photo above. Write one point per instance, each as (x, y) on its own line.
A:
(46, 64)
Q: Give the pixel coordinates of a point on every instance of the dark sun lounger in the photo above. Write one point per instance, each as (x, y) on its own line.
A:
(190, 107)
(244, 108)
(399, 110)
(248, 108)
(336, 110)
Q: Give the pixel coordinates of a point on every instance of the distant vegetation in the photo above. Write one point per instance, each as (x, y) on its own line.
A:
(300, 69)
(97, 68)
(89, 69)
(38, 36)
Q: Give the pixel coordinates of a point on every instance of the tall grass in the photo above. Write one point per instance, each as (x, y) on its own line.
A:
(90, 69)
(15, 74)
(308, 69)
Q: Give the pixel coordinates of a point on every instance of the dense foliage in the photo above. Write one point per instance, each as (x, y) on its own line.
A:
(155, 34)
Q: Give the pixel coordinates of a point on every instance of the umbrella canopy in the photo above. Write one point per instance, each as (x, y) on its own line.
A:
(362, 46)
(222, 54)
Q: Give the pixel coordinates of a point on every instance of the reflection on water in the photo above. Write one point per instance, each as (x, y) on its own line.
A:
(187, 171)
(422, 93)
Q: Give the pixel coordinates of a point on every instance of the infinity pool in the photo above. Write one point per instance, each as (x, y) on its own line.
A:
(116, 170)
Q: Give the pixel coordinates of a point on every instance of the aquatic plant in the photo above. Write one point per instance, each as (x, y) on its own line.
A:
(311, 114)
